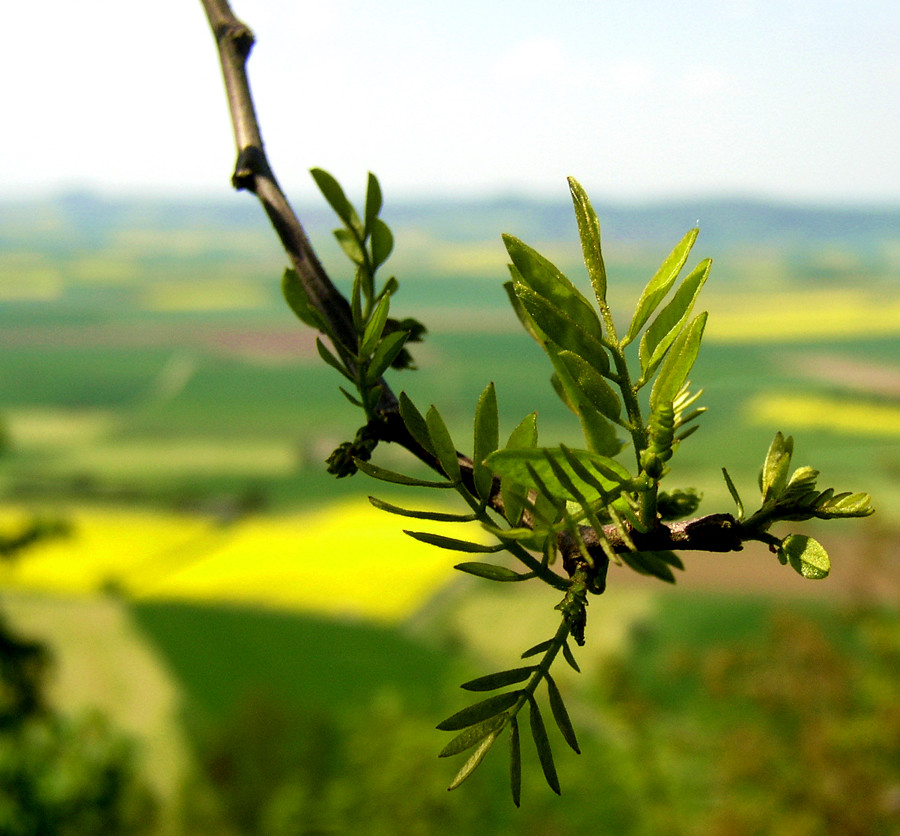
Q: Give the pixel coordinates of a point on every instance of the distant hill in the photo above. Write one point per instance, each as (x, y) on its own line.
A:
(85, 219)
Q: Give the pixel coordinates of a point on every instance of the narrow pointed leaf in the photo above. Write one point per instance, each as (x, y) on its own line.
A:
(472, 735)
(547, 282)
(375, 327)
(661, 283)
(491, 572)
(523, 436)
(542, 743)
(589, 232)
(560, 714)
(538, 648)
(351, 246)
(473, 762)
(332, 361)
(662, 331)
(433, 516)
(384, 475)
(777, 466)
(444, 448)
(486, 441)
(647, 563)
(523, 315)
(492, 681)
(734, 494)
(355, 401)
(373, 202)
(453, 544)
(570, 658)
(595, 388)
(334, 194)
(385, 354)
(415, 422)
(678, 363)
(480, 711)
(515, 762)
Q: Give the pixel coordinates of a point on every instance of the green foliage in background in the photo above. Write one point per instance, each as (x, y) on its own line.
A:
(545, 506)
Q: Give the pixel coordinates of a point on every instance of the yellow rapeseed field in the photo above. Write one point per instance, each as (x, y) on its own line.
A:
(819, 411)
(347, 559)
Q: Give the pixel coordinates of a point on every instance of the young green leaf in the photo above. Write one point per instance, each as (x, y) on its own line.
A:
(385, 354)
(433, 516)
(480, 711)
(334, 194)
(415, 422)
(774, 475)
(384, 475)
(845, 505)
(541, 741)
(472, 763)
(560, 714)
(570, 658)
(546, 281)
(523, 436)
(373, 203)
(332, 361)
(444, 448)
(661, 283)
(492, 681)
(486, 440)
(472, 735)
(453, 544)
(351, 246)
(538, 648)
(589, 232)
(734, 494)
(670, 320)
(678, 363)
(382, 243)
(806, 556)
(595, 388)
(648, 563)
(522, 315)
(491, 572)
(375, 327)
(295, 295)
(515, 762)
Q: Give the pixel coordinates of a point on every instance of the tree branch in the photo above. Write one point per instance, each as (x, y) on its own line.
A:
(234, 40)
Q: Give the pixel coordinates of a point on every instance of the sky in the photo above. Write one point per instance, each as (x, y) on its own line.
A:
(793, 100)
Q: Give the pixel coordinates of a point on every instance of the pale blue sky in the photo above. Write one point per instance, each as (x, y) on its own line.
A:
(788, 99)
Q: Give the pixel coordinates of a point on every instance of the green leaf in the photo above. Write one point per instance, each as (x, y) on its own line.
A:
(472, 735)
(472, 763)
(480, 711)
(433, 516)
(661, 283)
(558, 325)
(662, 331)
(375, 327)
(336, 198)
(385, 354)
(525, 435)
(523, 316)
(415, 422)
(453, 544)
(351, 246)
(398, 478)
(734, 494)
(560, 714)
(774, 476)
(595, 388)
(492, 681)
(846, 505)
(541, 741)
(806, 556)
(491, 572)
(678, 363)
(444, 447)
(486, 440)
(295, 295)
(332, 361)
(373, 203)
(538, 648)
(545, 280)
(515, 762)
(570, 658)
(382, 243)
(514, 465)
(589, 232)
